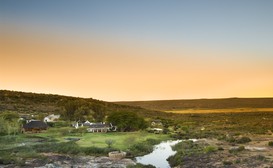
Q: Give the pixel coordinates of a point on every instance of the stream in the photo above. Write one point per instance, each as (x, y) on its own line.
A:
(161, 152)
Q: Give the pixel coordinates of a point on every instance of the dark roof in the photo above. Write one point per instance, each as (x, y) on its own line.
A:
(35, 124)
(86, 124)
(99, 125)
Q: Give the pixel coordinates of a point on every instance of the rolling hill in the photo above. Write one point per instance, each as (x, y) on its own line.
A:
(33, 103)
(195, 104)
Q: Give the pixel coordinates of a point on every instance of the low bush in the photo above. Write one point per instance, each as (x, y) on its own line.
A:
(243, 140)
(227, 163)
(72, 148)
(261, 157)
(270, 143)
(143, 147)
(61, 124)
(64, 147)
(187, 149)
(97, 151)
(138, 165)
(236, 150)
(240, 140)
(209, 149)
(220, 148)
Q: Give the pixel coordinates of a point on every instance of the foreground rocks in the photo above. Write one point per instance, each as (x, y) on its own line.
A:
(254, 154)
(66, 161)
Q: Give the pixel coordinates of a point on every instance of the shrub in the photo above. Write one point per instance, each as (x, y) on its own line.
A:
(220, 148)
(261, 157)
(236, 150)
(209, 149)
(243, 140)
(109, 142)
(227, 162)
(50, 124)
(231, 140)
(187, 149)
(241, 148)
(60, 124)
(237, 161)
(97, 151)
(64, 147)
(64, 132)
(270, 143)
(152, 141)
(138, 165)
(175, 160)
(143, 147)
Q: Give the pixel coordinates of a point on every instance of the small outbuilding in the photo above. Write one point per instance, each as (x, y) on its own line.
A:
(51, 118)
(156, 123)
(34, 126)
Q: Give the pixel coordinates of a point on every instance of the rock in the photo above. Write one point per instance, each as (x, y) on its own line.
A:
(50, 165)
(117, 155)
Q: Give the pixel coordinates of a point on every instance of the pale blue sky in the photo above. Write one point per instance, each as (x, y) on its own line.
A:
(234, 24)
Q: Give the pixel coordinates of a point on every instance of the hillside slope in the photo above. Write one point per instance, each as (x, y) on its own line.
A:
(229, 103)
(33, 103)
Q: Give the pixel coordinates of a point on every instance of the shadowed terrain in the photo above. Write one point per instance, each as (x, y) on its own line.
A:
(194, 104)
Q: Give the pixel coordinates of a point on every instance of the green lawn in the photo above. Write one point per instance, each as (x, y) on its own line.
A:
(122, 140)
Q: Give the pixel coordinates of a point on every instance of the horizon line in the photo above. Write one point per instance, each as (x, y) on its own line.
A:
(215, 98)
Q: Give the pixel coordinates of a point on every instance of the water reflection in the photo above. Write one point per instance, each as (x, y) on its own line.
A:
(159, 155)
(161, 152)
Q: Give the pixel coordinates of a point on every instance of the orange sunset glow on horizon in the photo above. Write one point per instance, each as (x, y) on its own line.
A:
(119, 62)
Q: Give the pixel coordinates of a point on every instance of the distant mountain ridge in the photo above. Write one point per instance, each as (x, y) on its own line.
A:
(224, 103)
(27, 103)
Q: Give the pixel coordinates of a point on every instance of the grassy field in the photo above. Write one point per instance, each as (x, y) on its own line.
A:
(233, 110)
(121, 140)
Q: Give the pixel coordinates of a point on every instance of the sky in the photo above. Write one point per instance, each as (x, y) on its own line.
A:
(138, 50)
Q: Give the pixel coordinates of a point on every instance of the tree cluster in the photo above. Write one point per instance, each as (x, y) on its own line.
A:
(9, 123)
(77, 110)
(127, 121)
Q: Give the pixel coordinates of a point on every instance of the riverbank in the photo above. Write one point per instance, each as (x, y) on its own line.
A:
(216, 153)
(160, 154)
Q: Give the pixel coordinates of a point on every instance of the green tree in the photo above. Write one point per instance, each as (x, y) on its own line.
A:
(10, 116)
(99, 112)
(69, 111)
(41, 116)
(82, 112)
(9, 123)
(127, 121)
(75, 110)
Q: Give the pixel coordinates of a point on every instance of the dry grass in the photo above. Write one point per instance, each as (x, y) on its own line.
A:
(234, 110)
(229, 103)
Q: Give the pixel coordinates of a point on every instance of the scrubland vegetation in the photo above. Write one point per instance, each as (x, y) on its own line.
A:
(227, 138)
(202, 104)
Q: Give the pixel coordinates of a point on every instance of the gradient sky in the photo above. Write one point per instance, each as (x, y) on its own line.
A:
(138, 50)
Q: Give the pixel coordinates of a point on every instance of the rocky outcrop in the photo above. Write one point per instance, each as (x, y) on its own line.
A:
(66, 161)
(117, 155)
